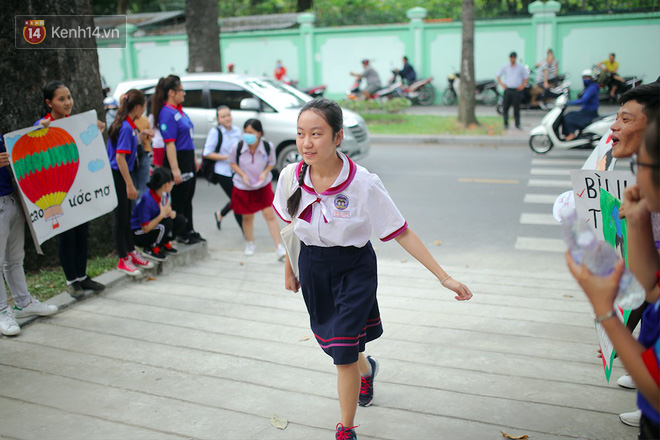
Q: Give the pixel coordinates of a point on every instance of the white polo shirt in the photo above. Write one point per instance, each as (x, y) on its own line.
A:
(253, 164)
(346, 214)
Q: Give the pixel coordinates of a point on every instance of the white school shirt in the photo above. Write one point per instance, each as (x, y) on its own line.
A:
(345, 214)
(229, 139)
(157, 141)
(253, 165)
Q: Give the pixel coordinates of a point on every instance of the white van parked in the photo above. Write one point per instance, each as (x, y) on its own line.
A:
(275, 104)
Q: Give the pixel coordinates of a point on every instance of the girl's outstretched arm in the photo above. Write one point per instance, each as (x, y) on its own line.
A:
(414, 246)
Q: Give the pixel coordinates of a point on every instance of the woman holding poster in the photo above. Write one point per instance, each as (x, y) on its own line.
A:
(72, 245)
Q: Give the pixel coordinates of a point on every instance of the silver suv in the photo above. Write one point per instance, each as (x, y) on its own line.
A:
(275, 104)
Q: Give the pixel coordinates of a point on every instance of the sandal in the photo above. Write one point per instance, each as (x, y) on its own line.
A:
(218, 222)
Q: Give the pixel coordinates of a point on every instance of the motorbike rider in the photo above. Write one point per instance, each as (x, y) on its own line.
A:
(609, 75)
(280, 71)
(408, 73)
(575, 121)
(546, 77)
(373, 80)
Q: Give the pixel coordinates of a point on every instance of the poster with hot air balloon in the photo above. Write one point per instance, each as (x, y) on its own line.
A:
(62, 173)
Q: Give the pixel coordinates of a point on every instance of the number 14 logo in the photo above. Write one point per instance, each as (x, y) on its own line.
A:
(34, 31)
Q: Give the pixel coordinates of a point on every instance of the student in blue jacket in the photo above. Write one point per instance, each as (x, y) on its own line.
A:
(122, 151)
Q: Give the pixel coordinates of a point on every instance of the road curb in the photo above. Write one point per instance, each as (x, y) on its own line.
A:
(188, 254)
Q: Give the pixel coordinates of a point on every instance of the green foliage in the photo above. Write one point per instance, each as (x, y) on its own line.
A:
(402, 124)
(361, 12)
(395, 105)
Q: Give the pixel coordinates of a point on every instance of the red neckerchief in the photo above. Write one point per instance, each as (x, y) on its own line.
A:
(155, 195)
(49, 117)
(178, 108)
(131, 123)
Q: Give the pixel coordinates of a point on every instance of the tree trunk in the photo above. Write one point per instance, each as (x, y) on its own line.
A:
(122, 7)
(24, 73)
(203, 36)
(466, 98)
(304, 5)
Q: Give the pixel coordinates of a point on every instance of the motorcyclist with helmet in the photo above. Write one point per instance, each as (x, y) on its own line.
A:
(576, 121)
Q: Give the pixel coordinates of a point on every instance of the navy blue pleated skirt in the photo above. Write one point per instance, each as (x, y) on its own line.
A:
(339, 286)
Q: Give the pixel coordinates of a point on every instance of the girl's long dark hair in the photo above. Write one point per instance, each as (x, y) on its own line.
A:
(331, 112)
(49, 92)
(159, 177)
(159, 98)
(129, 101)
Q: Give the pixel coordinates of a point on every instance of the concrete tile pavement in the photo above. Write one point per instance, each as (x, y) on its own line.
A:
(215, 348)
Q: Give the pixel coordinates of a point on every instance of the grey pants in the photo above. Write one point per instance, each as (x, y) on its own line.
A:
(12, 240)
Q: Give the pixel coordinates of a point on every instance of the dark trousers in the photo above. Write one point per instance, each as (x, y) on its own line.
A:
(648, 430)
(122, 213)
(163, 233)
(227, 185)
(511, 97)
(574, 121)
(183, 193)
(72, 249)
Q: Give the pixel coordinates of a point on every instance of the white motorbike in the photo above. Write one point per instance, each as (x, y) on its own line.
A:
(546, 136)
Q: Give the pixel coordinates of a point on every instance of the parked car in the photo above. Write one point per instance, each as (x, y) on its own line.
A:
(275, 104)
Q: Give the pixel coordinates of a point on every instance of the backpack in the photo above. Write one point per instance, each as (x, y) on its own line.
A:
(239, 147)
(208, 165)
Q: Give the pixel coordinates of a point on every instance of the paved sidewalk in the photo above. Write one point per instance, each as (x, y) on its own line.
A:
(213, 350)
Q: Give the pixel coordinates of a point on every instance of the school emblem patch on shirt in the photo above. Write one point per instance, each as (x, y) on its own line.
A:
(163, 127)
(341, 204)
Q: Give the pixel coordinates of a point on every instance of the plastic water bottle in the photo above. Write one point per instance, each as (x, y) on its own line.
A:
(600, 258)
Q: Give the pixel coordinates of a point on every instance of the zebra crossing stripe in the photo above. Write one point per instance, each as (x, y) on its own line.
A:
(527, 218)
(564, 162)
(540, 244)
(550, 172)
(541, 198)
(550, 183)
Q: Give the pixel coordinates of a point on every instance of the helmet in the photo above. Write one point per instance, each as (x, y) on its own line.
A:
(587, 72)
(110, 102)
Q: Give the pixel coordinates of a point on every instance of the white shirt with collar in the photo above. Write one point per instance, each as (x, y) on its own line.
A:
(253, 165)
(229, 139)
(346, 214)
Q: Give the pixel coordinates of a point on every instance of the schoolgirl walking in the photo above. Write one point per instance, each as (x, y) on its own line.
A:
(335, 205)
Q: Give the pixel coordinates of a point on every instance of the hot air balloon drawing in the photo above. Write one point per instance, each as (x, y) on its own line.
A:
(46, 163)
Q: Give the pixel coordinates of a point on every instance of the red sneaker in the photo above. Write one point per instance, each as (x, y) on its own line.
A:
(168, 248)
(139, 262)
(126, 265)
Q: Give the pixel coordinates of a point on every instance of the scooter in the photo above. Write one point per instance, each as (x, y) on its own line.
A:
(419, 92)
(314, 92)
(563, 87)
(605, 82)
(546, 136)
(485, 91)
(392, 90)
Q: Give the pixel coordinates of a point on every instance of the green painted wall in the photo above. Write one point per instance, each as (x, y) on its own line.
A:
(327, 55)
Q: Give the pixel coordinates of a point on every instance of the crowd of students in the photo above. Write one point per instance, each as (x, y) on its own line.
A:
(336, 266)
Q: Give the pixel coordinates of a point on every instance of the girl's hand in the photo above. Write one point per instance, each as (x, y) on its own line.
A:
(166, 211)
(45, 122)
(600, 291)
(290, 281)
(177, 176)
(246, 179)
(146, 134)
(462, 291)
(100, 125)
(262, 177)
(4, 159)
(636, 209)
(131, 192)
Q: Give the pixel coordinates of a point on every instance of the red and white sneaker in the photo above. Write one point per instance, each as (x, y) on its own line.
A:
(126, 265)
(139, 261)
